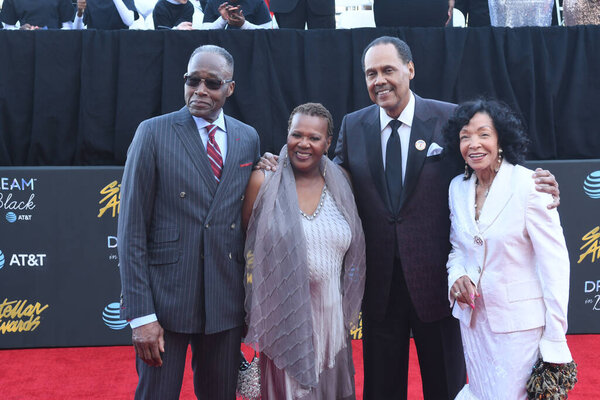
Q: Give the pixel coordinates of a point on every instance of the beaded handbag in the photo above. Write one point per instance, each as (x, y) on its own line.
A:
(550, 381)
(248, 385)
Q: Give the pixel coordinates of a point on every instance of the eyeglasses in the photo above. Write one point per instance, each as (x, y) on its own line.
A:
(210, 83)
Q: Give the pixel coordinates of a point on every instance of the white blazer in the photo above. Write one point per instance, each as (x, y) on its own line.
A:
(516, 255)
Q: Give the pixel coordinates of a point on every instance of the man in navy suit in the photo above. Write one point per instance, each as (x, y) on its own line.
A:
(180, 236)
(407, 236)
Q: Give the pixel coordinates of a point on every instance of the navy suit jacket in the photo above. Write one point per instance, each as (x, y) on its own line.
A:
(417, 233)
(180, 235)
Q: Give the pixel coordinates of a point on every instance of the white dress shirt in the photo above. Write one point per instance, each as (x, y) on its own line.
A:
(406, 117)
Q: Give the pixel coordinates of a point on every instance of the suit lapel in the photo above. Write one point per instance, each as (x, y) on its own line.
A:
(231, 161)
(372, 140)
(233, 149)
(187, 131)
(421, 129)
(500, 193)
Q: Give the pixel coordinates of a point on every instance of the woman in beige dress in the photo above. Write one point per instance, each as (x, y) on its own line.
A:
(305, 266)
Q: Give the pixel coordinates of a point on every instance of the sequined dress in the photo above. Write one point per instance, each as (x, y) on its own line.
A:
(328, 238)
(514, 13)
(581, 12)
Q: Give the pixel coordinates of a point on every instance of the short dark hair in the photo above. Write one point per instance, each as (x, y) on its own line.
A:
(512, 136)
(210, 48)
(401, 47)
(313, 110)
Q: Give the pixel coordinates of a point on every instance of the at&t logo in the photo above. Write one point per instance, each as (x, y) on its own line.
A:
(23, 260)
(591, 185)
(112, 318)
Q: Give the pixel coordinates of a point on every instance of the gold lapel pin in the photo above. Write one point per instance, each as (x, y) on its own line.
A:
(420, 145)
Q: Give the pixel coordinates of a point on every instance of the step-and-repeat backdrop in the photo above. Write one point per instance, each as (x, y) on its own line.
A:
(59, 268)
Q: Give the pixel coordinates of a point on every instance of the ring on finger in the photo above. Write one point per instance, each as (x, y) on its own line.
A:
(456, 294)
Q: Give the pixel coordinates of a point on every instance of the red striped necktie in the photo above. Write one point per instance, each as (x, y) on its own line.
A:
(214, 152)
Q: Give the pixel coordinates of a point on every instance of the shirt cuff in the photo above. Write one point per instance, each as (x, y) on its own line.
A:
(146, 319)
(555, 351)
(78, 22)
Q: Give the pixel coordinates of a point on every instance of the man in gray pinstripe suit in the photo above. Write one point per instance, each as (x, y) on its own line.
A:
(180, 236)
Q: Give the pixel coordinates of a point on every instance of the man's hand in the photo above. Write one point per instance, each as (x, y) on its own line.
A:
(545, 182)
(223, 11)
(81, 5)
(267, 162)
(236, 17)
(149, 341)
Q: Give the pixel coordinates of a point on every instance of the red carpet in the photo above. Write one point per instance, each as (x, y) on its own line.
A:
(109, 372)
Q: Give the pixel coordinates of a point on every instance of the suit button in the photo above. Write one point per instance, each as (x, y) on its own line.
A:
(230, 256)
(182, 195)
(207, 225)
(202, 256)
(233, 226)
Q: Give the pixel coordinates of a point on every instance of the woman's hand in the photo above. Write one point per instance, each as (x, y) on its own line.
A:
(464, 291)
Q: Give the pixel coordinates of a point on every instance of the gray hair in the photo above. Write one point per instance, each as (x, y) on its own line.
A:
(210, 48)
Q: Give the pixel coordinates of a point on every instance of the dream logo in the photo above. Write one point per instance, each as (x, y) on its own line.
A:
(112, 242)
(2, 260)
(15, 199)
(592, 288)
(591, 185)
(112, 318)
(15, 184)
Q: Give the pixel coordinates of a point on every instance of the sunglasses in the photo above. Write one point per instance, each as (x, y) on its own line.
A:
(210, 83)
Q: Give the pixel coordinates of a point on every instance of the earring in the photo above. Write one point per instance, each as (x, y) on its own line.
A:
(285, 161)
(499, 160)
(466, 171)
(325, 170)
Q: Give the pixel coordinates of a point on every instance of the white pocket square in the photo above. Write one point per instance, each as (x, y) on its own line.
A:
(434, 149)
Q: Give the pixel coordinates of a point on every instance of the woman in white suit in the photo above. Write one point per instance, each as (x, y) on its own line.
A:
(508, 271)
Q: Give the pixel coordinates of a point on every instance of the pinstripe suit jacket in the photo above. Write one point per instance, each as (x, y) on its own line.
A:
(180, 237)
